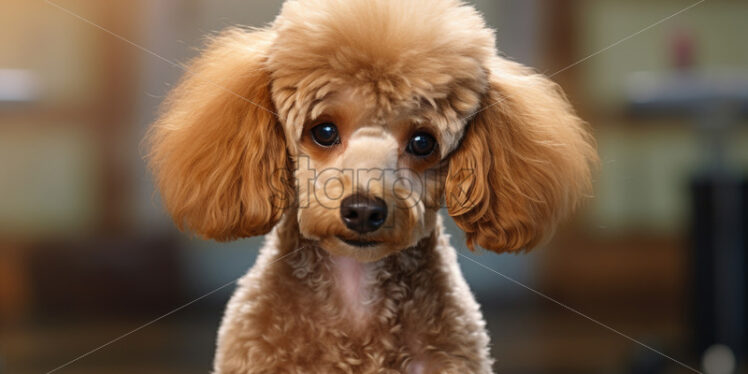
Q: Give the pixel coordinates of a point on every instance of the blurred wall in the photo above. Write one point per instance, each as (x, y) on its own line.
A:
(647, 163)
(48, 163)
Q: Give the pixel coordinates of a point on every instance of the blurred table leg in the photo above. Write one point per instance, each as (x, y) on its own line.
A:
(14, 287)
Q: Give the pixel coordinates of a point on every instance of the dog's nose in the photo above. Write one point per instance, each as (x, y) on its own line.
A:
(363, 214)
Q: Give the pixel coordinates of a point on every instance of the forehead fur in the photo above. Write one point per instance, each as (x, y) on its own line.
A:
(409, 56)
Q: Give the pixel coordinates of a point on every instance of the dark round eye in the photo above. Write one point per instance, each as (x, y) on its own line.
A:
(326, 134)
(421, 144)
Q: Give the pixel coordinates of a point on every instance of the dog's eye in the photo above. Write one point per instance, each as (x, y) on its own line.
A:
(421, 144)
(326, 134)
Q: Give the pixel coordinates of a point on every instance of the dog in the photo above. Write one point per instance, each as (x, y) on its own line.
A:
(340, 130)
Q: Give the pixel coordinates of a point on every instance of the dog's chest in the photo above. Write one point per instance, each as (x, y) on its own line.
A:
(367, 315)
(332, 314)
(352, 283)
(366, 298)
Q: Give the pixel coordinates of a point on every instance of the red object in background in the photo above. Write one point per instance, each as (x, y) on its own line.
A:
(683, 49)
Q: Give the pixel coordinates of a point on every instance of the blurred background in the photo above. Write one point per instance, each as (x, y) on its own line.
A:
(87, 253)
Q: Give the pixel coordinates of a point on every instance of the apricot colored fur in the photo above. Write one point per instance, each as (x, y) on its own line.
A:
(233, 157)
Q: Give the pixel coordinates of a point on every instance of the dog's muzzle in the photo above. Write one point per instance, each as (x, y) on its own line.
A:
(363, 214)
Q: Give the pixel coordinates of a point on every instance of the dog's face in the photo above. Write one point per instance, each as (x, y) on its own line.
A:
(369, 182)
(380, 100)
(363, 117)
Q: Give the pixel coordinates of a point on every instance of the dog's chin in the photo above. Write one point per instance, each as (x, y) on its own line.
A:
(362, 250)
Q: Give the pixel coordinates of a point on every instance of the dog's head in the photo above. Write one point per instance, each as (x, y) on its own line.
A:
(362, 118)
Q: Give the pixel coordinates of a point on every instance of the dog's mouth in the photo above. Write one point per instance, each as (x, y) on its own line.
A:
(360, 243)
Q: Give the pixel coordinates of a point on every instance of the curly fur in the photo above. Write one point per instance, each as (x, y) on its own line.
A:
(288, 315)
(233, 157)
(220, 157)
(529, 157)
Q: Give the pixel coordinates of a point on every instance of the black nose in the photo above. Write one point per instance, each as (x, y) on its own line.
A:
(363, 214)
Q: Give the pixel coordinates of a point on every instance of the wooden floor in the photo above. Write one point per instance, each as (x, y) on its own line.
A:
(546, 339)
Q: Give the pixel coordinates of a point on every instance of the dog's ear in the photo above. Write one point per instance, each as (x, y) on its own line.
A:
(524, 162)
(218, 152)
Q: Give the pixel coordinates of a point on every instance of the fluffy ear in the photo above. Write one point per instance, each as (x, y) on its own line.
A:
(218, 153)
(524, 162)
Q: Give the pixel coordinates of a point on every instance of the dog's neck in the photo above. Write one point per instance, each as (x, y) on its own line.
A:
(350, 288)
(353, 283)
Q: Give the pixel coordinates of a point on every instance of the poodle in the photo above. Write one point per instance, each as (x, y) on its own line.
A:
(340, 130)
